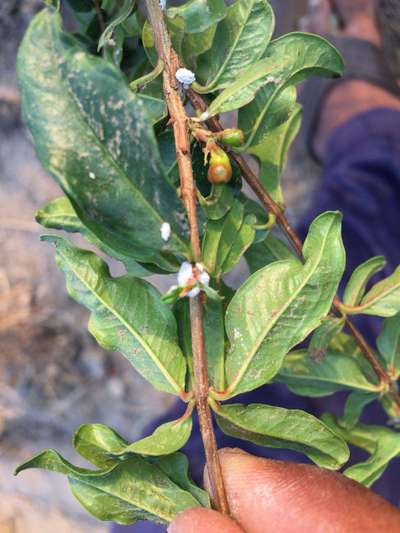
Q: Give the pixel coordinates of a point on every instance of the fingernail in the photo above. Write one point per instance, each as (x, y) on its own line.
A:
(231, 451)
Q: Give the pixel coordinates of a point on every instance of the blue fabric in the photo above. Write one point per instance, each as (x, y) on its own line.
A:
(361, 178)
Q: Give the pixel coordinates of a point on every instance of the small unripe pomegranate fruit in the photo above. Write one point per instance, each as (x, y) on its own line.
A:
(231, 136)
(220, 169)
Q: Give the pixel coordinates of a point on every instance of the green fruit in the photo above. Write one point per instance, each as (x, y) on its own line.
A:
(231, 136)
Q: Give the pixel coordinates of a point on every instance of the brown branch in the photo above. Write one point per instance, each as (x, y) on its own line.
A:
(272, 207)
(179, 121)
(99, 14)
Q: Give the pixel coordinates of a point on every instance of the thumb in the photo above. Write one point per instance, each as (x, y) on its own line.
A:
(201, 520)
(266, 495)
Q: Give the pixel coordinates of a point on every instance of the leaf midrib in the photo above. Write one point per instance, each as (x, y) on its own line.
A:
(272, 323)
(142, 342)
(381, 295)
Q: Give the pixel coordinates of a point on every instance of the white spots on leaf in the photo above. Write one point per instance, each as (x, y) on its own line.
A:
(236, 334)
(165, 231)
(78, 56)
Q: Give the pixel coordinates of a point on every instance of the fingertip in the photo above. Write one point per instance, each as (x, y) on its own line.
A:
(202, 520)
(294, 497)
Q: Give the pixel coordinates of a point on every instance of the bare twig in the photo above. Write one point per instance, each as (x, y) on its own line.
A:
(179, 122)
(272, 207)
(99, 14)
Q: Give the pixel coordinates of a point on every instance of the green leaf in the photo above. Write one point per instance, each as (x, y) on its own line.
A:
(51, 460)
(357, 284)
(127, 315)
(323, 335)
(214, 331)
(149, 44)
(193, 45)
(276, 427)
(391, 408)
(59, 214)
(219, 201)
(128, 491)
(214, 337)
(270, 250)
(278, 306)
(288, 60)
(93, 135)
(176, 467)
(271, 140)
(166, 439)
(388, 343)
(342, 368)
(101, 445)
(197, 16)
(240, 40)
(382, 300)
(225, 240)
(83, 14)
(353, 408)
(122, 14)
(382, 443)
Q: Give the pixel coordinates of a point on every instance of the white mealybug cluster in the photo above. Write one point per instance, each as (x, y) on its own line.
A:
(203, 277)
(163, 4)
(185, 76)
(189, 276)
(185, 274)
(270, 79)
(165, 230)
